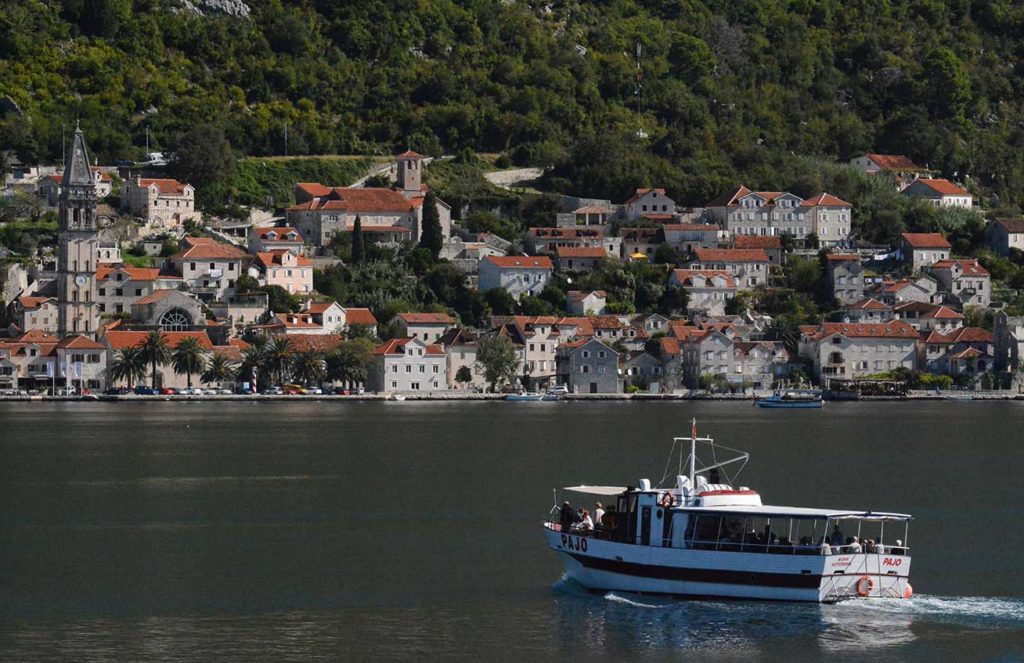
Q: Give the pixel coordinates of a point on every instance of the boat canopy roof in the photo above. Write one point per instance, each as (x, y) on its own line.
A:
(597, 490)
(800, 512)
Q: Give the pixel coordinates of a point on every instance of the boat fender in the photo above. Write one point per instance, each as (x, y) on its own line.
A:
(909, 593)
(864, 586)
(667, 500)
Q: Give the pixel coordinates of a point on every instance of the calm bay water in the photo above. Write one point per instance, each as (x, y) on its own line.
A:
(318, 531)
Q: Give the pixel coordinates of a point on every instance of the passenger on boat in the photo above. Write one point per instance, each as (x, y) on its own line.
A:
(853, 545)
(609, 522)
(869, 546)
(565, 517)
(598, 516)
(826, 549)
(586, 525)
(837, 537)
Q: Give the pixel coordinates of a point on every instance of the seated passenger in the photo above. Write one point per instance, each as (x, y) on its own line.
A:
(826, 549)
(854, 548)
(869, 546)
(586, 525)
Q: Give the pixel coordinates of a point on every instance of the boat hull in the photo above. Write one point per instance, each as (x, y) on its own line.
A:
(788, 405)
(600, 565)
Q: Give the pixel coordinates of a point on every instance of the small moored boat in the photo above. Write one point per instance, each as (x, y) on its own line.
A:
(524, 396)
(700, 536)
(793, 398)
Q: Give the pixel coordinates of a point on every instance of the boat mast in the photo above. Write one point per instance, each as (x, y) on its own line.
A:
(693, 453)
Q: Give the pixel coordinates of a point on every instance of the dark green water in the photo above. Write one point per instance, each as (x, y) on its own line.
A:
(321, 531)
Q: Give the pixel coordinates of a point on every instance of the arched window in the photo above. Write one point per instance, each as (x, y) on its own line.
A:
(175, 320)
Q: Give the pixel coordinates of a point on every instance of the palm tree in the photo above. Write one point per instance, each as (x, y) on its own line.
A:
(218, 369)
(308, 367)
(349, 362)
(129, 365)
(188, 357)
(278, 355)
(156, 351)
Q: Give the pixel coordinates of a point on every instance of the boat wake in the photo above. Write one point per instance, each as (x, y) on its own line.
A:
(618, 598)
(977, 611)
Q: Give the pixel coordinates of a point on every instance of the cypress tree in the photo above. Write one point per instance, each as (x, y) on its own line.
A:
(431, 236)
(357, 241)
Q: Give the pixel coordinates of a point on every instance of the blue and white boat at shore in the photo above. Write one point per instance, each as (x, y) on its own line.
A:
(793, 398)
(700, 537)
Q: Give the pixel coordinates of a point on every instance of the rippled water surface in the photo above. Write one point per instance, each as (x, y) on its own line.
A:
(321, 531)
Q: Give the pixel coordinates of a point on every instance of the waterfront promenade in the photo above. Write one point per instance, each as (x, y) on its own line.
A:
(449, 395)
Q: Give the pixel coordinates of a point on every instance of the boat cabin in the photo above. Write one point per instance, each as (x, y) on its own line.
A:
(716, 516)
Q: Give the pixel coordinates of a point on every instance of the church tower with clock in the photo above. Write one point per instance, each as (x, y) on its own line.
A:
(77, 310)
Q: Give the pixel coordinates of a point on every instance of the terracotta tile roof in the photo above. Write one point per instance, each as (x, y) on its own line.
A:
(968, 353)
(313, 189)
(281, 232)
(79, 343)
(167, 187)
(104, 270)
(943, 187)
(727, 199)
(642, 192)
(962, 335)
(843, 256)
(580, 295)
(409, 154)
(1012, 225)
(36, 336)
(520, 262)
(680, 328)
(29, 303)
(154, 296)
(359, 316)
(104, 176)
(593, 209)
(583, 327)
(319, 308)
(757, 242)
(321, 342)
(969, 266)
(942, 313)
(354, 200)
(595, 252)
(825, 200)
(426, 318)
(895, 329)
(731, 255)
(275, 258)
(396, 346)
(893, 162)
(686, 277)
(605, 322)
(121, 340)
(670, 345)
(639, 234)
(869, 304)
(925, 240)
(204, 248)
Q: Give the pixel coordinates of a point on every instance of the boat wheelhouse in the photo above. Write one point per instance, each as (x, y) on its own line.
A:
(702, 537)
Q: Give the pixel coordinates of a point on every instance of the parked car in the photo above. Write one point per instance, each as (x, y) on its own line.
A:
(142, 390)
(245, 388)
(315, 391)
(223, 391)
(558, 390)
(168, 391)
(294, 389)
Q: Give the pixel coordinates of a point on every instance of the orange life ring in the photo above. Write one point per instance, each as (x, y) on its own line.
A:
(864, 586)
(909, 593)
(667, 500)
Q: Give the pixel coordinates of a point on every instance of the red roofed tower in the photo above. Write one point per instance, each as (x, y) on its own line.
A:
(410, 173)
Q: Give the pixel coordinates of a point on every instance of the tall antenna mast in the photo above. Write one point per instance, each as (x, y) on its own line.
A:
(693, 453)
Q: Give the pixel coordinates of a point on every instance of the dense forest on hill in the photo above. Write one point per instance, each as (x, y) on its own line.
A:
(740, 91)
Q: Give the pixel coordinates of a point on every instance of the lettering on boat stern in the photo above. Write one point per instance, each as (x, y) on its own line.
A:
(574, 542)
(892, 561)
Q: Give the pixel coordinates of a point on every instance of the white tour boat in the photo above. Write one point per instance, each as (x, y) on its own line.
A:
(702, 537)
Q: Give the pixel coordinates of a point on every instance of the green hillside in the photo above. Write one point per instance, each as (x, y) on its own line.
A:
(732, 91)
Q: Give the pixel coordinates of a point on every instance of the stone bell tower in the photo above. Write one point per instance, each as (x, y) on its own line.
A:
(410, 174)
(78, 243)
